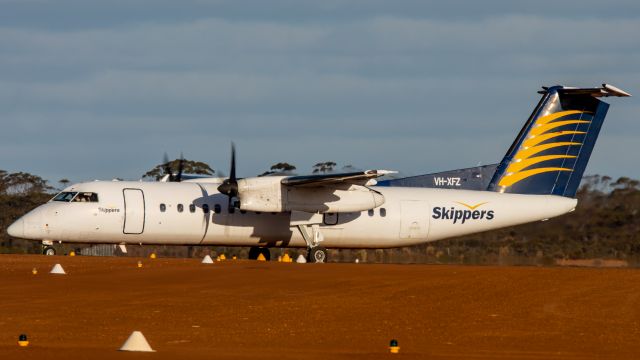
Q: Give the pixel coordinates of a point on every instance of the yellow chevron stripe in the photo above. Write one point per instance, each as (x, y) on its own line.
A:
(534, 140)
(471, 207)
(516, 177)
(538, 130)
(527, 153)
(538, 134)
(546, 119)
(515, 167)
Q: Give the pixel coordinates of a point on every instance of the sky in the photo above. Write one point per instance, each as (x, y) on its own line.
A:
(102, 89)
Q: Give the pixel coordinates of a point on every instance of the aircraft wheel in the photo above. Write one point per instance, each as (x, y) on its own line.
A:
(254, 252)
(318, 255)
(49, 251)
(266, 253)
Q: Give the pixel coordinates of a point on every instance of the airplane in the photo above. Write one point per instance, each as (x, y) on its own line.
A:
(536, 180)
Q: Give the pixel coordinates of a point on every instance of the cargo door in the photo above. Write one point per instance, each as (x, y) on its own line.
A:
(414, 221)
(133, 211)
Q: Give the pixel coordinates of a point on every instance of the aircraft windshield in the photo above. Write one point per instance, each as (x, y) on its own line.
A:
(86, 197)
(65, 196)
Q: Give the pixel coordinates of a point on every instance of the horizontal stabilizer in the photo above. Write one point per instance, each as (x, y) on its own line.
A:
(605, 91)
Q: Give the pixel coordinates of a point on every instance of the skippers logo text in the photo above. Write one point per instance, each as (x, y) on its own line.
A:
(457, 215)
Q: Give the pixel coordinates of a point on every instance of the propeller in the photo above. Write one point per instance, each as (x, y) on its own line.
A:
(229, 186)
(177, 177)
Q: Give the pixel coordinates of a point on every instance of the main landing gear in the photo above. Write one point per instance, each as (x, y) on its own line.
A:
(315, 252)
(255, 251)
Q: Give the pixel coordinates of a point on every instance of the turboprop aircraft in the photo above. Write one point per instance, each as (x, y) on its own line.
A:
(537, 179)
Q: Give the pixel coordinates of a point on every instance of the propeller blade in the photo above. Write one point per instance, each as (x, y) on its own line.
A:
(178, 177)
(167, 167)
(232, 173)
(229, 186)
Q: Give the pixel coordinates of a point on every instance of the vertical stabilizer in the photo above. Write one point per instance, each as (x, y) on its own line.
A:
(552, 150)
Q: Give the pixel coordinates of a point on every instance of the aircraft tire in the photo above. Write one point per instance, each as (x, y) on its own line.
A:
(318, 255)
(49, 251)
(254, 252)
(266, 253)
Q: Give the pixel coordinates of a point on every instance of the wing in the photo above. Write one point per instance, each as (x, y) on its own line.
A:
(357, 178)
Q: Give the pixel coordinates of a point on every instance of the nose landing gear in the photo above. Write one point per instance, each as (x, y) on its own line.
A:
(48, 250)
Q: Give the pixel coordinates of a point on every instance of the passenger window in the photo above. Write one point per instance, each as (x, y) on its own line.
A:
(217, 209)
(330, 218)
(370, 212)
(86, 197)
(192, 208)
(163, 207)
(205, 208)
(180, 208)
(383, 212)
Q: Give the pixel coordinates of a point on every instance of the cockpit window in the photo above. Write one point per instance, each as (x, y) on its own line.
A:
(86, 197)
(64, 196)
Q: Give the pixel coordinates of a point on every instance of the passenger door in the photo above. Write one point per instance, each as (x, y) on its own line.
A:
(414, 221)
(133, 211)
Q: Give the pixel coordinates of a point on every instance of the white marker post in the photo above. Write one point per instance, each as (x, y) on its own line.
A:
(57, 269)
(136, 342)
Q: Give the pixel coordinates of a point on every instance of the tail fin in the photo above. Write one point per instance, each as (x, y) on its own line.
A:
(551, 151)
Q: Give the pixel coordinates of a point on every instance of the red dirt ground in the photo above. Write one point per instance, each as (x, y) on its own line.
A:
(248, 310)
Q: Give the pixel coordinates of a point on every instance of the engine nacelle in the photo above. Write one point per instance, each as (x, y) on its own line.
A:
(267, 194)
(261, 194)
(353, 198)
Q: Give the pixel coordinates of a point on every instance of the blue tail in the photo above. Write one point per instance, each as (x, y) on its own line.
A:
(551, 152)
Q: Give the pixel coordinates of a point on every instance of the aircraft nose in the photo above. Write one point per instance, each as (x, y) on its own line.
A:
(16, 229)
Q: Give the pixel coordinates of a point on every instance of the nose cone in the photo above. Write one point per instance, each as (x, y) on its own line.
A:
(16, 229)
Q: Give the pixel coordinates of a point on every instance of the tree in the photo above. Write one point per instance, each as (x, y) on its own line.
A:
(349, 168)
(19, 193)
(189, 167)
(21, 183)
(625, 183)
(63, 183)
(324, 167)
(3, 181)
(281, 168)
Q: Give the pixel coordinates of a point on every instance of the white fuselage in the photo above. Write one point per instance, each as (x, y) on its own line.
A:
(130, 213)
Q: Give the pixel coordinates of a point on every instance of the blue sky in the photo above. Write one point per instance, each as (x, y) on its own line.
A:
(97, 90)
